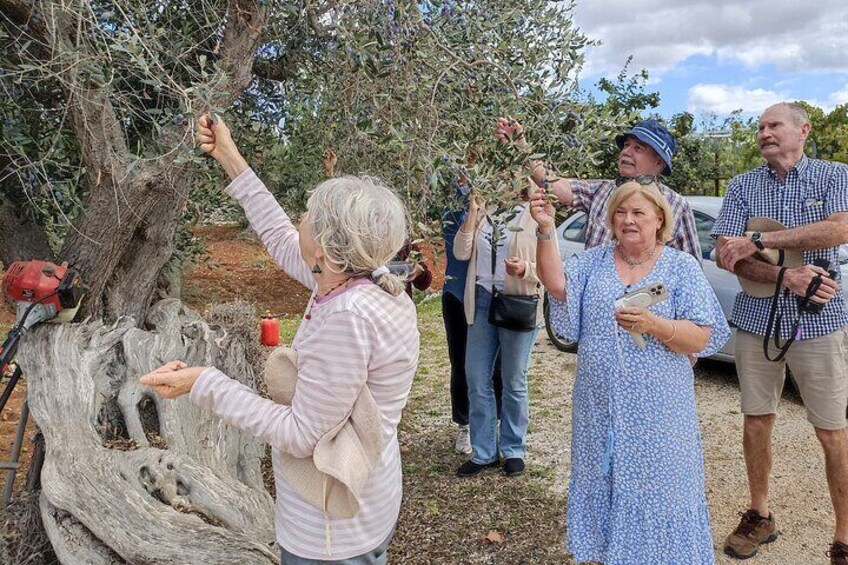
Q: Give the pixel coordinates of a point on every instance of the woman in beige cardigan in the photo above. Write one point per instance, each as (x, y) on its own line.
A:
(514, 273)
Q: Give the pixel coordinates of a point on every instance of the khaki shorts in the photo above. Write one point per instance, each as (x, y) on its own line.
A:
(820, 369)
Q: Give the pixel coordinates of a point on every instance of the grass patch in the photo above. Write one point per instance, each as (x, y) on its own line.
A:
(288, 327)
(445, 519)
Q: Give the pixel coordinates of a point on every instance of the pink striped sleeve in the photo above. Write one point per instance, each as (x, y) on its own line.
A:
(331, 374)
(271, 224)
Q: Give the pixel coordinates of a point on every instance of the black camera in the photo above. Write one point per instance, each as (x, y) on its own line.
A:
(804, 302)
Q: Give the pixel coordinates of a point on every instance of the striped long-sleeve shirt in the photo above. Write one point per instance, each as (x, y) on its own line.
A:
(361, 336)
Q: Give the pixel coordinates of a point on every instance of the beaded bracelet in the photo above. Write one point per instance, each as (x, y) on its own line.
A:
(673, 332)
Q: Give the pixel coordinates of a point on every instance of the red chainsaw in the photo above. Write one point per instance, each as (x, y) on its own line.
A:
(38, 291)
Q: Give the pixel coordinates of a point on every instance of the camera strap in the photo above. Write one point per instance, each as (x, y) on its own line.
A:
(774, 323)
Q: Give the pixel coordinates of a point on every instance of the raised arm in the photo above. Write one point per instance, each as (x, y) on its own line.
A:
(264, 213)
(463, 243)
(509, 131)
(215, 139)
(548, 261)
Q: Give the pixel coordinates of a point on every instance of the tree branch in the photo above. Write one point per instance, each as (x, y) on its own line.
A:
(246, 23)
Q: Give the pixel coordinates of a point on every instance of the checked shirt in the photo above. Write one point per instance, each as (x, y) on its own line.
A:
(812, 191)
(593, 197)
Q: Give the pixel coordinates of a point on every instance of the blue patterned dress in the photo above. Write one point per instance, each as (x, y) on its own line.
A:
(636, 494)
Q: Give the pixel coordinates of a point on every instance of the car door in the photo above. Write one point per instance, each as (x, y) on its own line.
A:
(723, 283)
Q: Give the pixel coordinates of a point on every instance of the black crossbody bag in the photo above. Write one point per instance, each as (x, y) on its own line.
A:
(516, 312)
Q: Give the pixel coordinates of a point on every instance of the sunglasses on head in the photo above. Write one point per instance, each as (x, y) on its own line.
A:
(644, 180)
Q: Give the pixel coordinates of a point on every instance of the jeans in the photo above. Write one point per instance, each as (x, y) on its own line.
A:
(456, 331)
(484, 341)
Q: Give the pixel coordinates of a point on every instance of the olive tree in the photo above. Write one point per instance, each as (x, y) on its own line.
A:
(98, 167)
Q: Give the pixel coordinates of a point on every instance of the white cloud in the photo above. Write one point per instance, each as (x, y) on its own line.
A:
(725, 98)
(791, 35)
(838, 97)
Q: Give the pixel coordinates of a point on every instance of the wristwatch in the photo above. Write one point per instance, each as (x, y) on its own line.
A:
(544, 236)
(757, 240)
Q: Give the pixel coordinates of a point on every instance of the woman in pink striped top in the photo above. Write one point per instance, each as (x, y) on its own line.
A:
(359, 330)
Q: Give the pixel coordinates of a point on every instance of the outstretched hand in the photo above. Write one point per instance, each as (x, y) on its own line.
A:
(214, 138)
(172, 380)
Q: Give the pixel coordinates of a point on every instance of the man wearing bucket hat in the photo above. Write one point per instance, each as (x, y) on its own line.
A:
(795, 209)
(645, 154)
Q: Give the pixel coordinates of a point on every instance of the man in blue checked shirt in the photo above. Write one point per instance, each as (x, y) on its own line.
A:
(810, 198)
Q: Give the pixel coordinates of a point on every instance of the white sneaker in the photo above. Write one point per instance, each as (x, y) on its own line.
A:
(463, 441)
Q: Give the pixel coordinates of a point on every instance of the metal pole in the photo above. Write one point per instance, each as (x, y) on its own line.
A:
(7, 392)
(717, 175)
(14, 462)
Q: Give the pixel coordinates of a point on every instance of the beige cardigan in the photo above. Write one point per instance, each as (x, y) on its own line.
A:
(522, 245)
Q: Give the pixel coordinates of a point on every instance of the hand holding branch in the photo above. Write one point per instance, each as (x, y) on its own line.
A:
(214, 138)
(509, 131)
(542, 210)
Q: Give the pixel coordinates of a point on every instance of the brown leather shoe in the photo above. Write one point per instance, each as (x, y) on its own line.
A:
(838, 553)
(753, 530)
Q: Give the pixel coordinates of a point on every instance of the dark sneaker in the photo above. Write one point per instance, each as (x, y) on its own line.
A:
(513, 466)
(470, 468)
(753, 531)
(838, 553)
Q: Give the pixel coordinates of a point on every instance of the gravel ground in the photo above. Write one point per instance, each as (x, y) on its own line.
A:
(799, 494)
(445, 520)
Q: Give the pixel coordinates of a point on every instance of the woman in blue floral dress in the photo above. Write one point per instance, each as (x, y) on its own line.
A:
(637, 492)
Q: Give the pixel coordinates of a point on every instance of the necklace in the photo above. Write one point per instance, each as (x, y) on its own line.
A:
(308, 314)
(633, 264)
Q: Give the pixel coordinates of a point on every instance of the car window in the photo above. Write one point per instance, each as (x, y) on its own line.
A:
(576, 230)
(704, 224)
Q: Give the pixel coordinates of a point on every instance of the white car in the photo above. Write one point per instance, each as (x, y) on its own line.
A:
(572, 239)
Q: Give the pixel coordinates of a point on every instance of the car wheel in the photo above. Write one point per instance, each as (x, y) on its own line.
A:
(559, 342)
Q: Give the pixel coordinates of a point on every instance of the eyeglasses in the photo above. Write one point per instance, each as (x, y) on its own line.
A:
(644, 180)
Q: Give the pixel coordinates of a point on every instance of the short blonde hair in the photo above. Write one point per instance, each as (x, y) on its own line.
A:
(360, 224)
(652, 193)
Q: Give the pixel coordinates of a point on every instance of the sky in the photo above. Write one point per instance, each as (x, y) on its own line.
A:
(717, 56)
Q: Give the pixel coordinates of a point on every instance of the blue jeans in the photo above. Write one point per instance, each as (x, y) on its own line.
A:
(484, 341)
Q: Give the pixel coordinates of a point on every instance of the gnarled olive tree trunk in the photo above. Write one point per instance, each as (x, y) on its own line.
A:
(130, 477)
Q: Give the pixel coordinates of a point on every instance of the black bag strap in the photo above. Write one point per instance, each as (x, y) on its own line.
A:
(495, 256)
(775, 317)
(494, 252)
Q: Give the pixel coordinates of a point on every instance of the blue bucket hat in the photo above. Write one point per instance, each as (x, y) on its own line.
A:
(656, 136)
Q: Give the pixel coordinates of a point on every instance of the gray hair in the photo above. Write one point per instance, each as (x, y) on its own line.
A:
(360, 224)
(799, 113)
